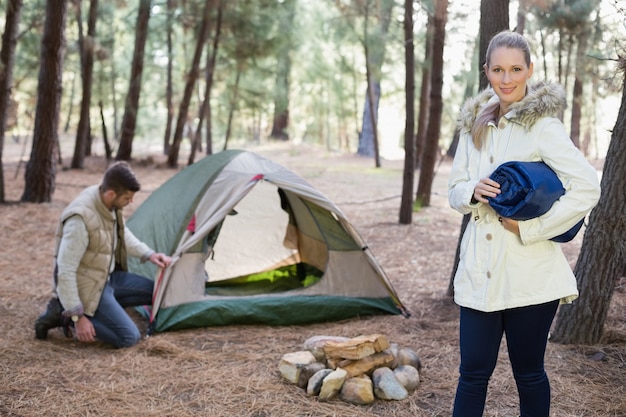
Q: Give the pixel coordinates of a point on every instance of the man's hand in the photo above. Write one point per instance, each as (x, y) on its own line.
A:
(160, 259)
(84, 331)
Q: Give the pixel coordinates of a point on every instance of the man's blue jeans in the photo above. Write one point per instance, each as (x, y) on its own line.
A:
(526, 330)
(111, 322)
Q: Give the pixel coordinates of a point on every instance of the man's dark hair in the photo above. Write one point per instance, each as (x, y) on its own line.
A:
(120, 178)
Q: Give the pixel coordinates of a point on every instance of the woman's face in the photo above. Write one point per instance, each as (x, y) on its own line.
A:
(507, 73)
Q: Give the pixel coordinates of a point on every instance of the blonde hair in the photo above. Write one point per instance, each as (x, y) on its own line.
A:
(489, 112)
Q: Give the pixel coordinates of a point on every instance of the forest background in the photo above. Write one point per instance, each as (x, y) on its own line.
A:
(167, 81)
(305, 58)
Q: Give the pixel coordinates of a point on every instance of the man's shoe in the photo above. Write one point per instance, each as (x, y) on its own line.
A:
(50, 319)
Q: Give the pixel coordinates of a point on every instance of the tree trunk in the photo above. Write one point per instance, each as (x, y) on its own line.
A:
(406, 204)
(168, 87)
(129, 120)
(196, 142)
(422, 124)
(112, 84)
(7, 60)
(493, 23)
(105, 136)
(41, 167)
(209, 78)
(367, 145)
(429, 159)
(231, 110)
(78, 11)
(457, 254)
(471, 77)
(601, 258)
(70, 99)
(192, 76)
(281, 90)
(568, 62)
(544, 57)
(373, 98)
(521, 17)
(374, 47)
(494, 18)
(596, 39)
(84, 124)
(579, 82)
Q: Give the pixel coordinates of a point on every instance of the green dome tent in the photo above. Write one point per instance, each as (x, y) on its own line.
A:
(252, 242)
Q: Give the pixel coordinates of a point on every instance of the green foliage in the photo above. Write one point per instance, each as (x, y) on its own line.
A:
(569, 15)
(325, 42)
(27, 55)
(418, 204)
(326, 78)
(560, 23)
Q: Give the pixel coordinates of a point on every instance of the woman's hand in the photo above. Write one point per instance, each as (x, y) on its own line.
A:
(509, 224)
(485, 189)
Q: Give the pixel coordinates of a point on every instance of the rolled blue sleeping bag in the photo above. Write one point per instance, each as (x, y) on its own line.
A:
(528, 190)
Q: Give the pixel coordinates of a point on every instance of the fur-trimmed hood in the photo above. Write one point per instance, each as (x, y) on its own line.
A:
(543, 99)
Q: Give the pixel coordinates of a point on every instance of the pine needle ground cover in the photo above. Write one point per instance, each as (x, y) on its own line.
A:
(232, 370)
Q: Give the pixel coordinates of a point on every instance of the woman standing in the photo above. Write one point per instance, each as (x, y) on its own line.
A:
(511, 277)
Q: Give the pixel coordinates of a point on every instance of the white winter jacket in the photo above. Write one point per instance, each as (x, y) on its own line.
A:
(497, 269)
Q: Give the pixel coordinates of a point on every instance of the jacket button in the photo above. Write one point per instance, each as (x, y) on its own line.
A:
(491, 159)
(488, 274)
(488, 236)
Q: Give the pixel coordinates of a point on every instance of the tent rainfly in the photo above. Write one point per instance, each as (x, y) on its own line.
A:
(254, 243)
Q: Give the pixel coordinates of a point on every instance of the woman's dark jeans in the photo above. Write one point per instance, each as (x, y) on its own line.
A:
(526, 330)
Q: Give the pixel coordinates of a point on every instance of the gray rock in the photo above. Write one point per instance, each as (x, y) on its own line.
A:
(408, 356)
(315, 345)
(408, 377)
(332, 384)
(291, 364)
(386, 386)
(307, 372)
(314, 386)
(358, 390)
(393, 349)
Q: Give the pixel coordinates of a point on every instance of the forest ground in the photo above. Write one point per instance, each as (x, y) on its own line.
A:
(232, 370)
